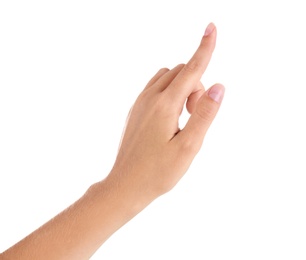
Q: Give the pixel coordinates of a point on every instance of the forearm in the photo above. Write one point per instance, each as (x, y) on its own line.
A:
(78, 231)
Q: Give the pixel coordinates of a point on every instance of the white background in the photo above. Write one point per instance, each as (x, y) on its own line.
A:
(69, 72)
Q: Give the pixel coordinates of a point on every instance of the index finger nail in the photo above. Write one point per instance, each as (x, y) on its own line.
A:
(209, 29)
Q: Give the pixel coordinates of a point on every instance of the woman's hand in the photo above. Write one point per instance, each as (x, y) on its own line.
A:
(154, 153)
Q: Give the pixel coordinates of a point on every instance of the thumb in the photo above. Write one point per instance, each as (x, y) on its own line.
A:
(207, 107)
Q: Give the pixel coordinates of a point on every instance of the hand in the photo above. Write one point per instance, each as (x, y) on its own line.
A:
(154, 153)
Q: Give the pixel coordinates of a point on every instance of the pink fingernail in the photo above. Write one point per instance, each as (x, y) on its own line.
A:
(216, 92)
(209, 29)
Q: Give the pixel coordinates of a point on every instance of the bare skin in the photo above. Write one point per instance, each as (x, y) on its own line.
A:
(153, 156)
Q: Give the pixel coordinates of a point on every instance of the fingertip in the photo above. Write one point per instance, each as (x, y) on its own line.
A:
(216, 92)
(209, 29)
(210, 36)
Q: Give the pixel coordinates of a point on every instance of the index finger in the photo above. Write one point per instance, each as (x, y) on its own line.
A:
(187, 80)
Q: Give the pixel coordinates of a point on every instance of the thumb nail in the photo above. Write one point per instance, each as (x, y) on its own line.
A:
(216, 92)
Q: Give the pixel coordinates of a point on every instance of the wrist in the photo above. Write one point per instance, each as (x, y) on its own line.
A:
(123, 197)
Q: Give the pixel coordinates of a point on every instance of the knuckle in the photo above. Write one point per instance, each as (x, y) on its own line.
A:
(189, 145)
(160, 103)
(165, 69)
(143, 97)
(181, 65)
(157, 104)
(157, 107)
(192, 66)
(163, 187)
(206, 113)
(167, 104)
(161, 107)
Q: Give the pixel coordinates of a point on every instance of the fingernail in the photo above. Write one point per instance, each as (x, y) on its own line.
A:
(209, 29)
(216, 92)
